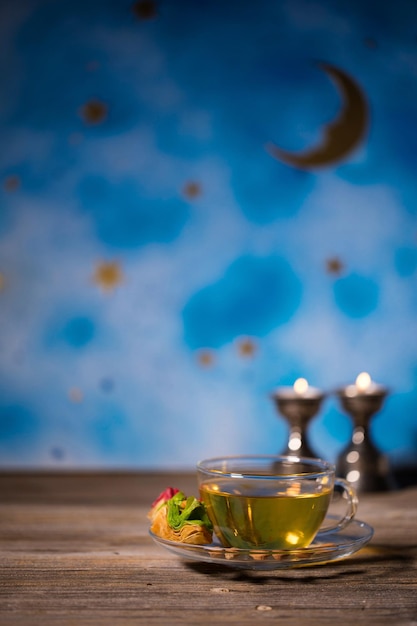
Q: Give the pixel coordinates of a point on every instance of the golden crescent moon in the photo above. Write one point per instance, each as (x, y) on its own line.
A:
(341, 135)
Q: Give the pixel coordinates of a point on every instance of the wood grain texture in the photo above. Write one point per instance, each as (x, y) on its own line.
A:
(75, 550)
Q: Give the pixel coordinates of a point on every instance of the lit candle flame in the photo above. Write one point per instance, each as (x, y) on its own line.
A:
(300, 386)
(363, 381)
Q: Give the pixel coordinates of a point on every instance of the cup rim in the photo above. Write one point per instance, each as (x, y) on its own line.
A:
(319, 466)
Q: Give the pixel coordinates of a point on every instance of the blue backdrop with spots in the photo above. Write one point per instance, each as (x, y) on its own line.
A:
(202, 201)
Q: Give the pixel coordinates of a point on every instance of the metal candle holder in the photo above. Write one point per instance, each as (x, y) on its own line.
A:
(361, 463)
(298, 404)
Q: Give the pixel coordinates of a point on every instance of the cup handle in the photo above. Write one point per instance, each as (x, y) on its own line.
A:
(352, 507)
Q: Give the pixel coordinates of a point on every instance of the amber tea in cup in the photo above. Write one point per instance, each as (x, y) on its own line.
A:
(271, 502)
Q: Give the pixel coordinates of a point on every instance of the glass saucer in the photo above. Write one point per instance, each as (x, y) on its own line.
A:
(325, 548)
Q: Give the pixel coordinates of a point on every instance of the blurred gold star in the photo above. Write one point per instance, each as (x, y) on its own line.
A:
(370, 43)
(92, 66)
(94, 112)
(145, 9)
(246, 347)
(334, 266)
(11, 183)
(192, 190)
(108, 275)
(75, 395)
(205, 358)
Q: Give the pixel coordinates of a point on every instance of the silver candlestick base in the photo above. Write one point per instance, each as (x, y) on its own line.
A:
(361, 463)
(298, 404)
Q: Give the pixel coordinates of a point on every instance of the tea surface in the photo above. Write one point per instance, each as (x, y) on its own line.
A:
(265, 519)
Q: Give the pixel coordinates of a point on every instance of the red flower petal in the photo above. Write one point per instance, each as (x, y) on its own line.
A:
(164, 496)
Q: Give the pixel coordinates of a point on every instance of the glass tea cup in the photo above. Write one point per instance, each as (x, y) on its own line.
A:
(271, 502)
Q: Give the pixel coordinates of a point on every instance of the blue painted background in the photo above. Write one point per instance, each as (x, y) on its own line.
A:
(161, 272)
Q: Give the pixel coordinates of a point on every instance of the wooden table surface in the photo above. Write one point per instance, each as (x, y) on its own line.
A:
(75, 549)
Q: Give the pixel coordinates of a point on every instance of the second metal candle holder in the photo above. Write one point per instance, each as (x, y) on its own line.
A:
(361, 463)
